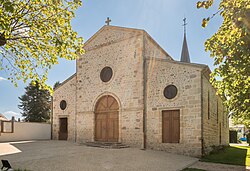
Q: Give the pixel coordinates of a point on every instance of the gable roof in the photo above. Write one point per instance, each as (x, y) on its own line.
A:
(111, 27)
(127, 30)
(65, 81)
(201, 66)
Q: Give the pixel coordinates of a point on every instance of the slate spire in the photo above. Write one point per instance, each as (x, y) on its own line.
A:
(185, 54)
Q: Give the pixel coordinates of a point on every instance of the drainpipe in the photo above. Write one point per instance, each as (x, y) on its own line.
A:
(144, 95)
(76, 103)
(51, 118)
(202, 116)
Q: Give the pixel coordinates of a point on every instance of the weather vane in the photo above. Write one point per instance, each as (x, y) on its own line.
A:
(185, 23)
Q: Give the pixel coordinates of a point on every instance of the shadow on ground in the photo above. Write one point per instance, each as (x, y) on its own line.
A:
(68, 156)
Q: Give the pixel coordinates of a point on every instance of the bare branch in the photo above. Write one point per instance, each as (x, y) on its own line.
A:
(5, 57)
(24, 37)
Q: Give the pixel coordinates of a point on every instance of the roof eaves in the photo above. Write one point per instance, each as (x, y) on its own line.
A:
(65, 81)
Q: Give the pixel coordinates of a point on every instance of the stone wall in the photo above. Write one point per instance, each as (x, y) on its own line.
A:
(124, 50)
(67, 92)
(187, 79)
(214, 117)
(120, 49)
(153, 50)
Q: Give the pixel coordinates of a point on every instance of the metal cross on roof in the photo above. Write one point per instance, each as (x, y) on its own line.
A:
(107, 21)
(184, 53)
(184, 20)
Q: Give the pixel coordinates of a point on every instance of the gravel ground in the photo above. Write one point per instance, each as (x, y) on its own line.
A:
(68, 156)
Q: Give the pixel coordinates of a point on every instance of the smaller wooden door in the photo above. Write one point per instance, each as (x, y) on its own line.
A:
(171, 126)
(63, 129)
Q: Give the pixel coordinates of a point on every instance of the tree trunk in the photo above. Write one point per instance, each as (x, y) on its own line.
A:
(2, 40)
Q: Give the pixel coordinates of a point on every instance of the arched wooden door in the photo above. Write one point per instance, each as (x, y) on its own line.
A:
(107, 119)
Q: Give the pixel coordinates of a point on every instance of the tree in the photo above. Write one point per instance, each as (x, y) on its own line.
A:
(34, 34)
(35, 103)
(56, 85)
(230, 48)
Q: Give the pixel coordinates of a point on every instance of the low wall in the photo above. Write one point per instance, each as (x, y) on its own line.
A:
(27, 131)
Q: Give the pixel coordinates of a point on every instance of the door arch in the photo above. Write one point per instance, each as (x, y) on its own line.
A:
(107, 119)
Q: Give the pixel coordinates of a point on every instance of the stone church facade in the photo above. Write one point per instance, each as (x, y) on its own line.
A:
(128, 89)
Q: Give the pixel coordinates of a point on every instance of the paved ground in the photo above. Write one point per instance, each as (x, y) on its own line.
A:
(217, 167)
(67, 156)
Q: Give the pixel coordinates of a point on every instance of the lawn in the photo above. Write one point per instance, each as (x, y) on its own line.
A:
(235, 155)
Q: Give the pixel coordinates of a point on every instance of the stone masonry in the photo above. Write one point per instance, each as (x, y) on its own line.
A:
(187, 78)
(215, 120)
(141, 71)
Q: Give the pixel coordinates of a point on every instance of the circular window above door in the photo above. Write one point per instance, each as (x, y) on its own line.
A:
(63, 104)
(170, 91)
(106, 74)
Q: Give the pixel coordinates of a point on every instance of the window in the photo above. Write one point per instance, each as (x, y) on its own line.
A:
(220, 134)
(217, 111)
(223, 118)
(63, 104)
(106, 74)
(226, 120)
(170, 91)
(7, 126)
(171, 126)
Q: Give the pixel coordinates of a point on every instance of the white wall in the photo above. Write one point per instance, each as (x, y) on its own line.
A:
(27, 131)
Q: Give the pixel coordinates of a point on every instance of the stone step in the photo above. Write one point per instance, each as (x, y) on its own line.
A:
(112, 145)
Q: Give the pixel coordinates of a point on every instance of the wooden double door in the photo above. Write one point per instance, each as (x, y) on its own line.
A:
(107, 120)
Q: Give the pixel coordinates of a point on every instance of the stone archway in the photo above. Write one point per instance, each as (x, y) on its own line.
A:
(107, 119)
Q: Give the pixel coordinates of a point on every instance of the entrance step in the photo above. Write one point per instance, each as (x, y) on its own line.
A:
(112, 145)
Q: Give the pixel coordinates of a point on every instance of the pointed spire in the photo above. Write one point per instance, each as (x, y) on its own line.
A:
(185, 54)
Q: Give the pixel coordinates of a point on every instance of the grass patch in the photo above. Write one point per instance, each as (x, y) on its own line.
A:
(193, 169)
(235, 155)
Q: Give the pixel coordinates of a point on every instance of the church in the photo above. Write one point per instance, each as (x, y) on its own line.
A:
(128, 89)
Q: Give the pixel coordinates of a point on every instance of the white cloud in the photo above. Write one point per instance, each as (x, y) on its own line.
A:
(9, 114)
(2, 79)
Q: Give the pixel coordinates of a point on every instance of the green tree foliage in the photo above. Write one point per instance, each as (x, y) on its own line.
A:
(35, 103)
(34, 34)
(56, 85)
(230, 48)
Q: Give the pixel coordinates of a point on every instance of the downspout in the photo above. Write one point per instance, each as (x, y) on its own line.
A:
(76, 105)
(202, 116)
(51, 122)
(144, 95)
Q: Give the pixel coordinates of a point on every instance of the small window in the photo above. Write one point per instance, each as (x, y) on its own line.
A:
(63, 104)
(106, 74)
(170, 91)
(217, 111)
(7, 126)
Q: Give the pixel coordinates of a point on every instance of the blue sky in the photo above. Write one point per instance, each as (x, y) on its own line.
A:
(162, 19)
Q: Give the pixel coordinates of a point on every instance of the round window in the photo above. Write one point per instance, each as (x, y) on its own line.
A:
(170, 91)
(63, 104)
(106, 74)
